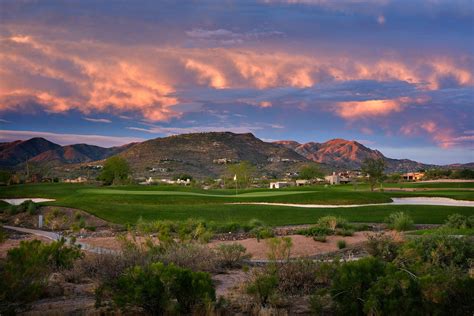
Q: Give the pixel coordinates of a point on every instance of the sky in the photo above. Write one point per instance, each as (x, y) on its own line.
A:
(395, 75)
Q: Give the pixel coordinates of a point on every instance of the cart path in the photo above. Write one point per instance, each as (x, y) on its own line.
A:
(56, 237)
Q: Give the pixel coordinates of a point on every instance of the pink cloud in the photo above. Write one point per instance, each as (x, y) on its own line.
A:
(89, 76)
(362, 109)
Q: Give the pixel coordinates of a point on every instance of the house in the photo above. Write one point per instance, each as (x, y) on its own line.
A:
(77, 180)
(300, 183)
(333, 179)
(147, 181)
(279, 185)
(413, 176)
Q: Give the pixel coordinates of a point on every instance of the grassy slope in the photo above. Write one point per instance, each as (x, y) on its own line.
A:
(182, 203)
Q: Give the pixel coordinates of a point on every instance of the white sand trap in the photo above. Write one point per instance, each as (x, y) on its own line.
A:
(431, 201)
(19, 201)
(395, 201)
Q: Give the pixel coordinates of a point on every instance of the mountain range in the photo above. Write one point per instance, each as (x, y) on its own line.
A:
(202, 155)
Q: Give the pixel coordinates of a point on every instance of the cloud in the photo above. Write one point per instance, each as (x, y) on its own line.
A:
(68, 139)
(156, 82)
(265, 104)
(99, 120)
(445, 137)
(218, 37)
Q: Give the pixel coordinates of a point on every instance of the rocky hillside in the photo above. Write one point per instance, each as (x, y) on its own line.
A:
(206, 154)
(42, 151)
(344, 154)
(77, 154)
(17, 152)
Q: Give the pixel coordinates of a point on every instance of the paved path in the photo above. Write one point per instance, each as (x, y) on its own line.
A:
(55, 236)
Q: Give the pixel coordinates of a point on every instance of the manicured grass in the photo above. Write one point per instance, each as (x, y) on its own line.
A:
(126, 204)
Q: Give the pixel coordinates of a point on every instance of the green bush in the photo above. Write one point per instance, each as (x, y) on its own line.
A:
(232, 255)
(159, 288)
(262, 233)
(345, 232)
(24, 273)
(315, 231)
(320, 238)
(399, 221)
(459, 221)
(382, 246)
(436, 251)
(263, 288)
(341, 244)
(31, 208)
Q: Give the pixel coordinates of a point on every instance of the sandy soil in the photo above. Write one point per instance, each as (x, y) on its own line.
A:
(302, 246)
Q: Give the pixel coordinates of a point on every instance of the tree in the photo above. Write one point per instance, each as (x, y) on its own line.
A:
(116, 170)
(308, 172)
(244, 172)
(374, 169)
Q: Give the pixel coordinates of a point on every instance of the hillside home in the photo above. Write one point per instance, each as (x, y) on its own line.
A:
(300, 183)
(333, 179)
(77, 180)
(279, 185)
(413, 176)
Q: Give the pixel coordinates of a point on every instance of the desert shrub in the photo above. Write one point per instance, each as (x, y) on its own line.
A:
(459, 221)
(399, 221)
(429, 276)
(157, 289)
(280, 248)
(55, 219)
(351, 283)
(320, 238)
(189, 230)
(328, 222)
(436, 251)
(190, 255)
(232, 255)
(315, 231)
(297, 277)
(341, 244)
(345, 232)
(192, 290)
(23, 274)
(12, 210)
(3, 235)
(382, 246)
(262, 233)
(31, 208)
(263, 287)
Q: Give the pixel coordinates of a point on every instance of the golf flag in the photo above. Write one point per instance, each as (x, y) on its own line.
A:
(235, 177)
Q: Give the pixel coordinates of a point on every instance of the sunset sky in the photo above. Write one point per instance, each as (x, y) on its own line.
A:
(397, 76)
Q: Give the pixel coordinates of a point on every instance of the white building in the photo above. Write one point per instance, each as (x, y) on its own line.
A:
(279, 185)
(333, 179)
(300, 183)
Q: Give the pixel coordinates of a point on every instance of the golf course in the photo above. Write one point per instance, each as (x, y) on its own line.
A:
(126, 204)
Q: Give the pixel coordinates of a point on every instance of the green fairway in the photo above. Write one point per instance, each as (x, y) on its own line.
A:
(126, 204)
(149, 192)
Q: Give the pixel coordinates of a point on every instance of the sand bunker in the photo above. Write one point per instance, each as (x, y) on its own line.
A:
(19, 201)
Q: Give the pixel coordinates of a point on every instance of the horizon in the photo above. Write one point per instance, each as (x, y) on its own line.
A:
(396, 76)
(67, 143)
